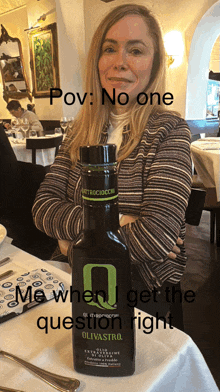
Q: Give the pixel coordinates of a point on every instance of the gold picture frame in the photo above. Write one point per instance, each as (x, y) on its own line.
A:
(44, 60)
(12, 68)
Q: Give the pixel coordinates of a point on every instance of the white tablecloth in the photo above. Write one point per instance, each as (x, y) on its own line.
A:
(43, 157)
(206, 158)
(166, 360)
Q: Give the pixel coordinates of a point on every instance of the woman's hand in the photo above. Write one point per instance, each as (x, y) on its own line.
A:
(125, 219)
(64, 245)
(176, 249)
(7, 125)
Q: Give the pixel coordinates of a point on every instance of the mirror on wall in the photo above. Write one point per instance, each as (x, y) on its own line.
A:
(15, 83)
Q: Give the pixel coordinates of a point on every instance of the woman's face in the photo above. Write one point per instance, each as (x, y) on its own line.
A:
(126, 58)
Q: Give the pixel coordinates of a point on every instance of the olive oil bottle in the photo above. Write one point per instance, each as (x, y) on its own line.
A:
(103, 335)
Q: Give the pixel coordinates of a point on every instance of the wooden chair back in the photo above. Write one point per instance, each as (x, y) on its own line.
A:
(212, 205)
(43, 143)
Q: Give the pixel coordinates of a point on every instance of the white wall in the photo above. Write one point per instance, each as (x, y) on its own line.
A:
(71, 40)
(203, 40)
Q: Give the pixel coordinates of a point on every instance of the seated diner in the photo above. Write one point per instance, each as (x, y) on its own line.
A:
(15, 109)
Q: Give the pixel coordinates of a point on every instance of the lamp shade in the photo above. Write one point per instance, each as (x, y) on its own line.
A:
(174, 45)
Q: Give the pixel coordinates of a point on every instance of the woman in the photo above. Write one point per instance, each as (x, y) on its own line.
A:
(127, 56)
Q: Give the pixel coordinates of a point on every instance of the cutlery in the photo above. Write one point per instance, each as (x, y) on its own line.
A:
(4, 261)
(6, 274)
(211, 148)
(61, 383)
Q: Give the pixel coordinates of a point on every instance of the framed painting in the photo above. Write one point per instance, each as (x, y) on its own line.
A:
(44, 60)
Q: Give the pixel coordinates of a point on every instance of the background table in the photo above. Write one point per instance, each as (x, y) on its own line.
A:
(166, 360)
(43, 157)
(206, 158)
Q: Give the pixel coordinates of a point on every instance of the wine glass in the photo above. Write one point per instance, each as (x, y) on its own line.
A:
(64, 123)
(24, 123)
(70, 121)
(15, 127)
(32, 133)
(14, 124)
(58, 131)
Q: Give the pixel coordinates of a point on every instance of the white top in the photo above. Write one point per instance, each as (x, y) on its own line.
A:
(115, 130)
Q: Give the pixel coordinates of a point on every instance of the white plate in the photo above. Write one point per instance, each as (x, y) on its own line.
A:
(3, 233)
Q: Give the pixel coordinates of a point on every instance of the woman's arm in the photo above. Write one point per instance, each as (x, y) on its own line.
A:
(53, 211)
(153, 235)
(125, 219)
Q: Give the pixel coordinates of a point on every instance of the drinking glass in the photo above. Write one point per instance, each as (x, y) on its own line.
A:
(24, 123)
(32, 133)
(70, 121)
(15, 128)
(15, 124)
(58, 131)
(64, 123)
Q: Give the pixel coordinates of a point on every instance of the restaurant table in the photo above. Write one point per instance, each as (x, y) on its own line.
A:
(206, 159)
(44, 157)
(167, 360)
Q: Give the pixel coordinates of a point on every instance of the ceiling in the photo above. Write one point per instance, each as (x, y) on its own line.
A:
(9, 5)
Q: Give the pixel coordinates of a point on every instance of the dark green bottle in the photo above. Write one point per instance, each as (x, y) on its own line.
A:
(103, 337)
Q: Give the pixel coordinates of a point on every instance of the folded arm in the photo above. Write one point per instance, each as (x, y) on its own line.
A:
(152, 237)
(53, 211)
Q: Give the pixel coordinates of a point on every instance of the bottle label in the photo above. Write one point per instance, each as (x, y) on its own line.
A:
(102, 357)
(99, 194)
(103, 337)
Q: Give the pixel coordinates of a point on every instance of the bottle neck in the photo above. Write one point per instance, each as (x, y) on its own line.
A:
(100, 199)
(101, 219)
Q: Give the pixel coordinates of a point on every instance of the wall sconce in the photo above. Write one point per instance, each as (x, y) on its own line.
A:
(42, 18)
(174, 46)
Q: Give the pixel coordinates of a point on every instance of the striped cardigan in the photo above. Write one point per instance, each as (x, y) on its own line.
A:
(154, 183)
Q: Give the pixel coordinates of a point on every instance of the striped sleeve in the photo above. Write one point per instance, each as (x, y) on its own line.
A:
(53, 211)
(165, 197)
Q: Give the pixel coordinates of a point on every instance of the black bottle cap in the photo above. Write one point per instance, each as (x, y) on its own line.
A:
(98, 155)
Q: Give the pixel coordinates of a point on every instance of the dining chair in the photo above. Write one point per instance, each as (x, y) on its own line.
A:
(195, 206)
(213, 206)
(19, 182)
(43, 143)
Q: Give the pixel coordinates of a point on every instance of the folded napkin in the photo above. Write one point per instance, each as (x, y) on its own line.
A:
(37, 280)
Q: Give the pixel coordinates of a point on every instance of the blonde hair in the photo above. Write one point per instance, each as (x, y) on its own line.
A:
(92, 119)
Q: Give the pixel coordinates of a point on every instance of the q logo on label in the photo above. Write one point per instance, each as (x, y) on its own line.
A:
(87, 278)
